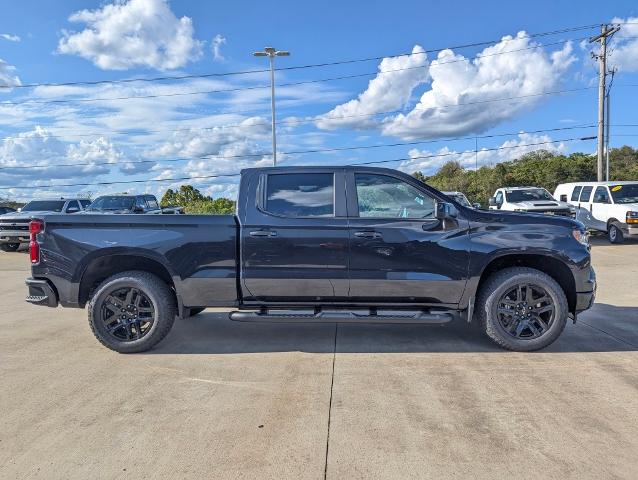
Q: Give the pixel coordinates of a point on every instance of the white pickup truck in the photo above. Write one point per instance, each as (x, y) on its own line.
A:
(530, 200)
(610, 207)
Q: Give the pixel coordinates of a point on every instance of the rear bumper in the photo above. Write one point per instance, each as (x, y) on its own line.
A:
(41, 293)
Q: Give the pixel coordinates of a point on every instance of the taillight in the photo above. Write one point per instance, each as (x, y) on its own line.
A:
(35, 227)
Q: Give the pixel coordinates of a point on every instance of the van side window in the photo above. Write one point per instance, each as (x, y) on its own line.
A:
(499, 197)
(575, 193)
(585, 194)
(601, 195)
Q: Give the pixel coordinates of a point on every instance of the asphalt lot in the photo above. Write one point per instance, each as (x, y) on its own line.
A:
(219, 399)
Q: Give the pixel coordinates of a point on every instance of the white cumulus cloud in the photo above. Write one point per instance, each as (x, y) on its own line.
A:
(8, 78)
(389, 90)
(464, 96)
(217, 43)
(624, 45)
(429, 162)
(133, 33)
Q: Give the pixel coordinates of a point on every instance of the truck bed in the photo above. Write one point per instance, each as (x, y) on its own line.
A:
(198, 252)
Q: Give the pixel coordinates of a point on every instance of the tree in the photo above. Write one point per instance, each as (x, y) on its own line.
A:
(194, 202)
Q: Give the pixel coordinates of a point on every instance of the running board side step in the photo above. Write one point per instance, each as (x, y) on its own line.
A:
(342, 317)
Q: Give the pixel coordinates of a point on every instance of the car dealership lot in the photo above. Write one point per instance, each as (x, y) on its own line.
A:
(219, 399)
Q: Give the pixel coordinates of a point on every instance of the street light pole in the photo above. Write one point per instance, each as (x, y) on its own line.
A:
(271, 53)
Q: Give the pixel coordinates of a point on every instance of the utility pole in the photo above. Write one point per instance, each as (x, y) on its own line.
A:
(605, 32)
(271, 53)
(612, 72)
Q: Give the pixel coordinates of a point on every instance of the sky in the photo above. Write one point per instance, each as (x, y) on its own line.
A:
(144, 95)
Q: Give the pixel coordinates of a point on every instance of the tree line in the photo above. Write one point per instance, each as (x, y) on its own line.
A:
(539, 168)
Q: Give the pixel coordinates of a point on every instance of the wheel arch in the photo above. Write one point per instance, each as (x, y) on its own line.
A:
(552, 266)
(100, 268)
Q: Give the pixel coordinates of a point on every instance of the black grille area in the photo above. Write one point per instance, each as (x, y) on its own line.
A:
(14, 225)
(561, 213)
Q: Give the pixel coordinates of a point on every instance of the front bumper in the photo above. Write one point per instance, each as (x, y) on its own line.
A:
(10, 236)
(585, 300)
(41, 293)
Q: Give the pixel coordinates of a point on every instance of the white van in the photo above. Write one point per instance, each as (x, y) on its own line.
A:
(610, 207)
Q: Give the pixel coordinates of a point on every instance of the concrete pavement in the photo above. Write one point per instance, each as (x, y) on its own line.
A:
(219, 399)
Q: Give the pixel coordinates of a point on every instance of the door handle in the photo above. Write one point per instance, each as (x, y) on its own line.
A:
(263, 233)
(367, 234)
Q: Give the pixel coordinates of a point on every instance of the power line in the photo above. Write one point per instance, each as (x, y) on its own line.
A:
(313, 120)
(300, 67)
(293, 152)
(257, 87)
(179, 179)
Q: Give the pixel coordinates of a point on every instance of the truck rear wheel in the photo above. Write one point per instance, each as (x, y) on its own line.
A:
(9, 247)
(132, 311)
(522, 309)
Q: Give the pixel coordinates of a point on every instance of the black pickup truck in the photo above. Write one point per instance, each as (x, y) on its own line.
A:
(341, 244)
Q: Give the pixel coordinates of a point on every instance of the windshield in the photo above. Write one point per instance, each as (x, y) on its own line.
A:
(528, 195)
(112, 203)
(625, 193)
(460, 198)
(44, 206)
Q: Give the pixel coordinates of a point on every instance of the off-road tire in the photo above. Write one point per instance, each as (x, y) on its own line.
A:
(9, 247)
(497, 285)
(614, 234)
(155, 289)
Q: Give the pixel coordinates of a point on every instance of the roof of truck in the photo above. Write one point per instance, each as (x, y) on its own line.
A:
(620, 182)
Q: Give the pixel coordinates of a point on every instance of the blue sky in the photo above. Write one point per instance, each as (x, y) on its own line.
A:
(419, 101)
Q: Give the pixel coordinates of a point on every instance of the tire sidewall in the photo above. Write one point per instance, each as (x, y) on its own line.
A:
(99, 328)
(616, 236)
(494, 327)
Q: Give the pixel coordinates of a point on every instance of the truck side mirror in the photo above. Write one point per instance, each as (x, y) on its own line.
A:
(563, 198)
(492, 202)
(444, 210)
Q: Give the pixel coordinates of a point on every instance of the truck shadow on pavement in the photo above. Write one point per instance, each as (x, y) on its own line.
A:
(604, 328)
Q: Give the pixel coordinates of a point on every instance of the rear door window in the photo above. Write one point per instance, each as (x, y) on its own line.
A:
(73, 204)
(575, 193)
(152, 203)
(300, 195)
(585, 194)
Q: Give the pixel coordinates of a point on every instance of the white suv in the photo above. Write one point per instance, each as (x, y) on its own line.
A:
(610, 207)
(530, 200)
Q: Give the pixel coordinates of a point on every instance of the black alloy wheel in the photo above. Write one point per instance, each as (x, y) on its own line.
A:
(526, 311)
(128, 314)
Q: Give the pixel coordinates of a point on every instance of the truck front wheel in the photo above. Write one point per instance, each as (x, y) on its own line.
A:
(615, 234)
(522, 309)
(132, 311)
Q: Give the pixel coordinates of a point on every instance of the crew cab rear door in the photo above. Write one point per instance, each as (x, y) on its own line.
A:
(399, 251)
(294, 240)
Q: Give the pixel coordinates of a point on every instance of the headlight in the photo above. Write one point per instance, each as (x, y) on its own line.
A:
(632, 217)
(581, 236)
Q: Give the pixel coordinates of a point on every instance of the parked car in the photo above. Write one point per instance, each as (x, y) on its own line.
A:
(462, 199)
(610, 207)
(4, 210)
(123, 204)
(310, 244)
(530, 200)
(14, 226)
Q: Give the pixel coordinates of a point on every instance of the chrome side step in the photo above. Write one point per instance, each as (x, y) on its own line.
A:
(341, 317)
